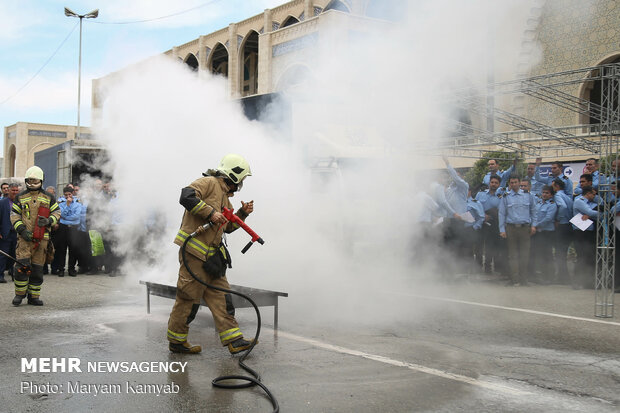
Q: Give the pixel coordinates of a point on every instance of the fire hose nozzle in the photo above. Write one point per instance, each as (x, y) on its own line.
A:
(201, 229)
(249, 244)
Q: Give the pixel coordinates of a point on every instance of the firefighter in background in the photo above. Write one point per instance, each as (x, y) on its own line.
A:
(207, 256)
(34, 212)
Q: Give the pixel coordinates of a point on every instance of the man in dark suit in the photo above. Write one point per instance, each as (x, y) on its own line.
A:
(8, 236)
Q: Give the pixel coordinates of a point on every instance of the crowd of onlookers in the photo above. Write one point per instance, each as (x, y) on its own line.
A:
(8, 236)
(83, 240)
(522, 227)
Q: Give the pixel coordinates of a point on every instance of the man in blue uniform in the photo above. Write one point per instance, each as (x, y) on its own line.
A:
(473, 230)
(595, 175)
(557, 171)
(544, 222)
(494, 170)
(535, 184)
(456, 196)
(516, 214)
(563, 230)
(494, 246)
(585, 241)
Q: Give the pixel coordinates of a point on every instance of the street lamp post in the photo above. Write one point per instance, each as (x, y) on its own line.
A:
(93, 14)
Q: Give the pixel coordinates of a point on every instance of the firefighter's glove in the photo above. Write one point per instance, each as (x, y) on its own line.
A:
(44, 222)
(25, 234)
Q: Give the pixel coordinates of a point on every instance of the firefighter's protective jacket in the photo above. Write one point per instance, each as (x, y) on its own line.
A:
(201, 199)
(26, 207)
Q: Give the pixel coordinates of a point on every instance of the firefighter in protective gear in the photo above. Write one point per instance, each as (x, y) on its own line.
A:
(204, 200)
(34, 212)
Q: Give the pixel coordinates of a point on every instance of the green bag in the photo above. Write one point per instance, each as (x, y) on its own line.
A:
(96, 243)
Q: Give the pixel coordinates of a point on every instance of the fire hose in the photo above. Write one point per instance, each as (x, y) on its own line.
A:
(14, 260)
(255, 379)
(23, 268)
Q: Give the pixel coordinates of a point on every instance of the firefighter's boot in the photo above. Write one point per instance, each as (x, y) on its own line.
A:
(2, 280)
(34, 300)
(17, 300)
(185, 348)
(239, 345)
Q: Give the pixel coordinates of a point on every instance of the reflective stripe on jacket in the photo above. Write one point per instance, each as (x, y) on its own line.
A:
(26, 206)
(212, 195)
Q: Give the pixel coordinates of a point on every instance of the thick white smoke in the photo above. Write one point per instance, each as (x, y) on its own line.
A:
(333, 250)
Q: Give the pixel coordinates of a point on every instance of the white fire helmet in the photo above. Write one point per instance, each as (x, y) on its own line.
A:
(34, 178)
(235, 167)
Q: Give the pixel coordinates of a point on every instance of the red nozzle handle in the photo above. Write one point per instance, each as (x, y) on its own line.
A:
(228, 213)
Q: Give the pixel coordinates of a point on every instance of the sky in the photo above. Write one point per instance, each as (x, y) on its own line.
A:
(40, 47)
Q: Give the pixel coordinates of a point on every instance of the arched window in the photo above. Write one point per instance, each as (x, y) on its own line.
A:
(249, 62)
(337, 5)
(192, 62)
(218, 60)
(289, 21)
(592, 92)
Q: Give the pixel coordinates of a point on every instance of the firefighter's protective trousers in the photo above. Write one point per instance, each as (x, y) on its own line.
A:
(28, 283)
(24, 215)
(189, 294)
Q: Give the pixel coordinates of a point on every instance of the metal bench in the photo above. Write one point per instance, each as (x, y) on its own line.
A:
(262, 298)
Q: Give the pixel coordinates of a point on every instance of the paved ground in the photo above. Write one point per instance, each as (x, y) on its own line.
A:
(482, 347)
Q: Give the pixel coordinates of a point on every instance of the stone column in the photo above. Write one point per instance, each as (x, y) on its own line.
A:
(202, 57)
(202, 53)
(308, 9)
(264, 55)
(233, 61)
(267, 20)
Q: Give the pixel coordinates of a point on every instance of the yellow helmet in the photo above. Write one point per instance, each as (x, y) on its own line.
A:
(34, 178)
(234, 167)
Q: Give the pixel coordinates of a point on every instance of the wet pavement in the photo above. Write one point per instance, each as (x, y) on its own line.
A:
(479, 347)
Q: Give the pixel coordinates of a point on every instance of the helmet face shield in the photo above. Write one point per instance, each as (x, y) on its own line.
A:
(34, 178)
(33, 183)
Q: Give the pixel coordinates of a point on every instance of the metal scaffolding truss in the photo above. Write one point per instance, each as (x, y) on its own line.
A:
(532, 138)
(529, 137)
(605, 228)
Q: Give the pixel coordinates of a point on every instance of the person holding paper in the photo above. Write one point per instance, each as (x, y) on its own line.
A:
(516, 214)
(585, 241)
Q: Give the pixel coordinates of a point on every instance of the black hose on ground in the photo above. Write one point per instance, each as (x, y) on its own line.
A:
(250, 381)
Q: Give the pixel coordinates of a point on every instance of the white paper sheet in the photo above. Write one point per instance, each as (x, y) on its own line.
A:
(468, 217)
(580, 223)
